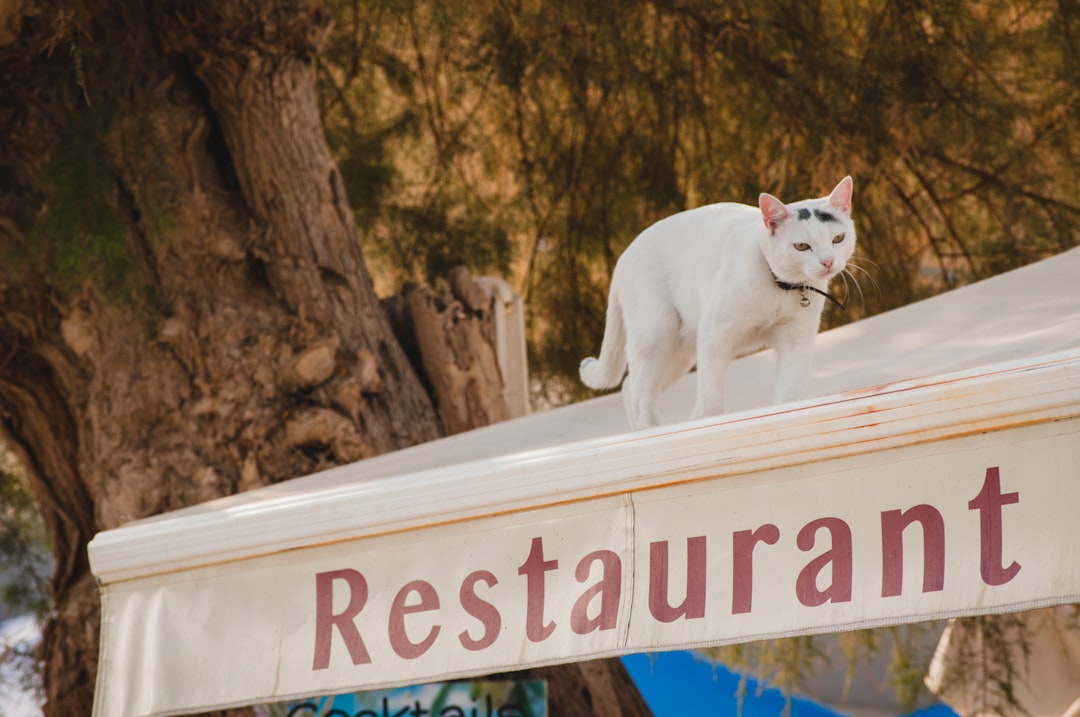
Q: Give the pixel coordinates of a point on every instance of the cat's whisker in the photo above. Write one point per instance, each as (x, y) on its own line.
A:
(853, 265)
(844, 276)
(854, 280)
(852, 262)
(866, 259)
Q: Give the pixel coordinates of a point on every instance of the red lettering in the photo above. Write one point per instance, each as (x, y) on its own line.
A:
(609, 589)
(989, 502)
(893, 524)
(399, 638)
(533, 569)
(742, 560)
(482, 610)
(326, 620)
(693, 606)
(839, 555)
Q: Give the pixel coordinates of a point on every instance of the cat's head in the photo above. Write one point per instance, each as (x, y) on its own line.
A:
(810, 240)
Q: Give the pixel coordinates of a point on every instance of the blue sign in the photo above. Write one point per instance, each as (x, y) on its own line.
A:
(484, 698)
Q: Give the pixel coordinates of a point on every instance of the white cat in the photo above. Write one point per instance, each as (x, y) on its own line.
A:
(710, 284)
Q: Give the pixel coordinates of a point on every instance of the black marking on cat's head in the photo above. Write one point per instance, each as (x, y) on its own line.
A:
(825, 216)
(804, 213)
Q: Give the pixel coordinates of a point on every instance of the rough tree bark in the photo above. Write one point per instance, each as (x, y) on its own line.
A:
(217, 330)
(199, 383)
(448, 334)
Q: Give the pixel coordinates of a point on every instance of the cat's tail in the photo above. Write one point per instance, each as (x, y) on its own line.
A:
(608, 370)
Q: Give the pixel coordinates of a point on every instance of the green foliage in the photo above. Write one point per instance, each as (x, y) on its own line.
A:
(23, 564)
(911, 647)
(991, 656)
(103, 191)
(23, 543)
(784, 664)
(790, 664)
(91, 221)
(82, 236)
(411, 156)
(536, 140)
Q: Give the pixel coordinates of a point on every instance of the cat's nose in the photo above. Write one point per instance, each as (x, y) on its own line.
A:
(827, 263)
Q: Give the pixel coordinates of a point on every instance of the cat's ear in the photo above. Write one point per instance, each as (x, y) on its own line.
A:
(841, 196)
(773, 211)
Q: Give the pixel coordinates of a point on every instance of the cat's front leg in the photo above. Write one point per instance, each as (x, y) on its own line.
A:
(794, 354)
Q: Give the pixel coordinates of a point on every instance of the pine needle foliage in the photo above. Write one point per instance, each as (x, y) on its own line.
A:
(535, 140)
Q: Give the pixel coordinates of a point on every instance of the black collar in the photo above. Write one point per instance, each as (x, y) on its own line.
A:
(786, 286)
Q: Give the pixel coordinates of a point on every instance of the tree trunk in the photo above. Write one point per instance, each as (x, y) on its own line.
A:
(249, 348)
(448, 334)
(186, 309)
(595, 688)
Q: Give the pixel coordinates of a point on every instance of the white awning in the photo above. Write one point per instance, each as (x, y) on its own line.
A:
(923, 484)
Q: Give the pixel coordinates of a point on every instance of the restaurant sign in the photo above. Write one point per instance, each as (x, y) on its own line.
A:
(974, 524)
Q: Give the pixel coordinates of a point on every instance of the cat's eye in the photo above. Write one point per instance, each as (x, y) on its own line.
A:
(801, 246)
(838, 238)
